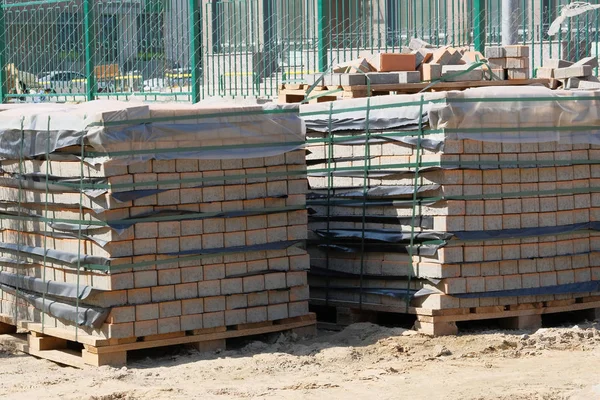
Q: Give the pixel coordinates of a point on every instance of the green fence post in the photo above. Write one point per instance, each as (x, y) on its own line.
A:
(2, 55)
(194, 30)
(88, 19)
(479, 25)
(322, 49)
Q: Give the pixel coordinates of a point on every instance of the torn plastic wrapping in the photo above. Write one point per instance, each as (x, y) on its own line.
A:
(385, 112)
(380, 235)
(127, 132)
(83, 315)
(373, 192)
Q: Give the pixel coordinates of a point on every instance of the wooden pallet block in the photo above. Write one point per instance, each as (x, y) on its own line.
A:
(52, 343)
(519, 316)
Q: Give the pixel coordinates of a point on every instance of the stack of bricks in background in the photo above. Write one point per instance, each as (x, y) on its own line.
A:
(498, 220)
(509, 62)
(418, 62)
(578, 75)
(204, 233)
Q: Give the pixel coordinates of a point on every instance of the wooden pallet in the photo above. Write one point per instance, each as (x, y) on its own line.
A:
(444, 322)
(53, 343)
(296, 93)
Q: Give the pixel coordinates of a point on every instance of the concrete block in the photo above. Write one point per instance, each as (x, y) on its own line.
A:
(235, 317)
(169, 309)
(495, 52)
(256, 314)
(209, 288)
(145, 328)
(458, 73)
(277, 311)
(430, 72)
(417, 44)
(517, 73)
(517, 63)
(545, 72)
(258, 299)
(297, 309)
(163, 293)
(231, 286)
(191, 322)
(192, 306)
(573, 72)
(497, 63)
(516, 51)
(555, 63)
(213, 320)
(589, 61)
(216, 303)
(139, 296)
(360, 64)
(146, 312)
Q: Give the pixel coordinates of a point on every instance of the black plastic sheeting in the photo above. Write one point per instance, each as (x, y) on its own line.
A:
(380, 235)
(397, 293)
(581, 287)
(377, 192)
(428, 250)
(83, 315)
(425, 222)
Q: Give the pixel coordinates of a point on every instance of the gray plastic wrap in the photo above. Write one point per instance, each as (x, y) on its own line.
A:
(37, 285)
(129, 132)
(520, 114)
(83, 315)
(516, 114)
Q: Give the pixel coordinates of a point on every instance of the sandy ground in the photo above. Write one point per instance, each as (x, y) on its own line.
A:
(364, 361)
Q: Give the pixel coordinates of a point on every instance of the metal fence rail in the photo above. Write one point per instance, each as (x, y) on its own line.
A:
(189, 50)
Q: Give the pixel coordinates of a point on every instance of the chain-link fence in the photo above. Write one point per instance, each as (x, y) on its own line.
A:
(187, 50)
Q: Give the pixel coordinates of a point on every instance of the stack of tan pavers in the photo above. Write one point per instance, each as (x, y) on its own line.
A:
(500, 199)
(188, 220)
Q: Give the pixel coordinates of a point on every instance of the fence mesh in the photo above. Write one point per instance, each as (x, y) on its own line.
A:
(182, 50)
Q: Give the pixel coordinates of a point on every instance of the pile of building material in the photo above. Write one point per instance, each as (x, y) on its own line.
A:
(579, 75)
(417, 63)
(123, 222)
(455, 205)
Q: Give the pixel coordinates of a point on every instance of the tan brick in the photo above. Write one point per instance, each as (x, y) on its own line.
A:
(145, 278)
(258, 299)
(209, 288)
(169, 325)
(186, 290)
(146, 312)
(297, 309)
(146, 328)
(139, 296)
(213, 320)
(494, 283)
(120, 315)
(216, 303)
(256, 314)
(299, 293)
(231, 286)
(192, 274)
(548, 279)
(191, 322)
(277, 311)
(275, 281)
(214, 271)
(163, 293)
(169, 277)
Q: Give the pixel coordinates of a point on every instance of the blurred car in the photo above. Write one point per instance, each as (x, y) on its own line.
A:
(61, 81)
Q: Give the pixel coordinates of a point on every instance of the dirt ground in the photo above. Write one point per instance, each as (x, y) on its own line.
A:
(364, 361)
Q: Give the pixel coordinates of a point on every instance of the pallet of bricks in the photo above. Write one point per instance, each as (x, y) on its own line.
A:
(455, 206)
(419, 67)
(127, 227)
